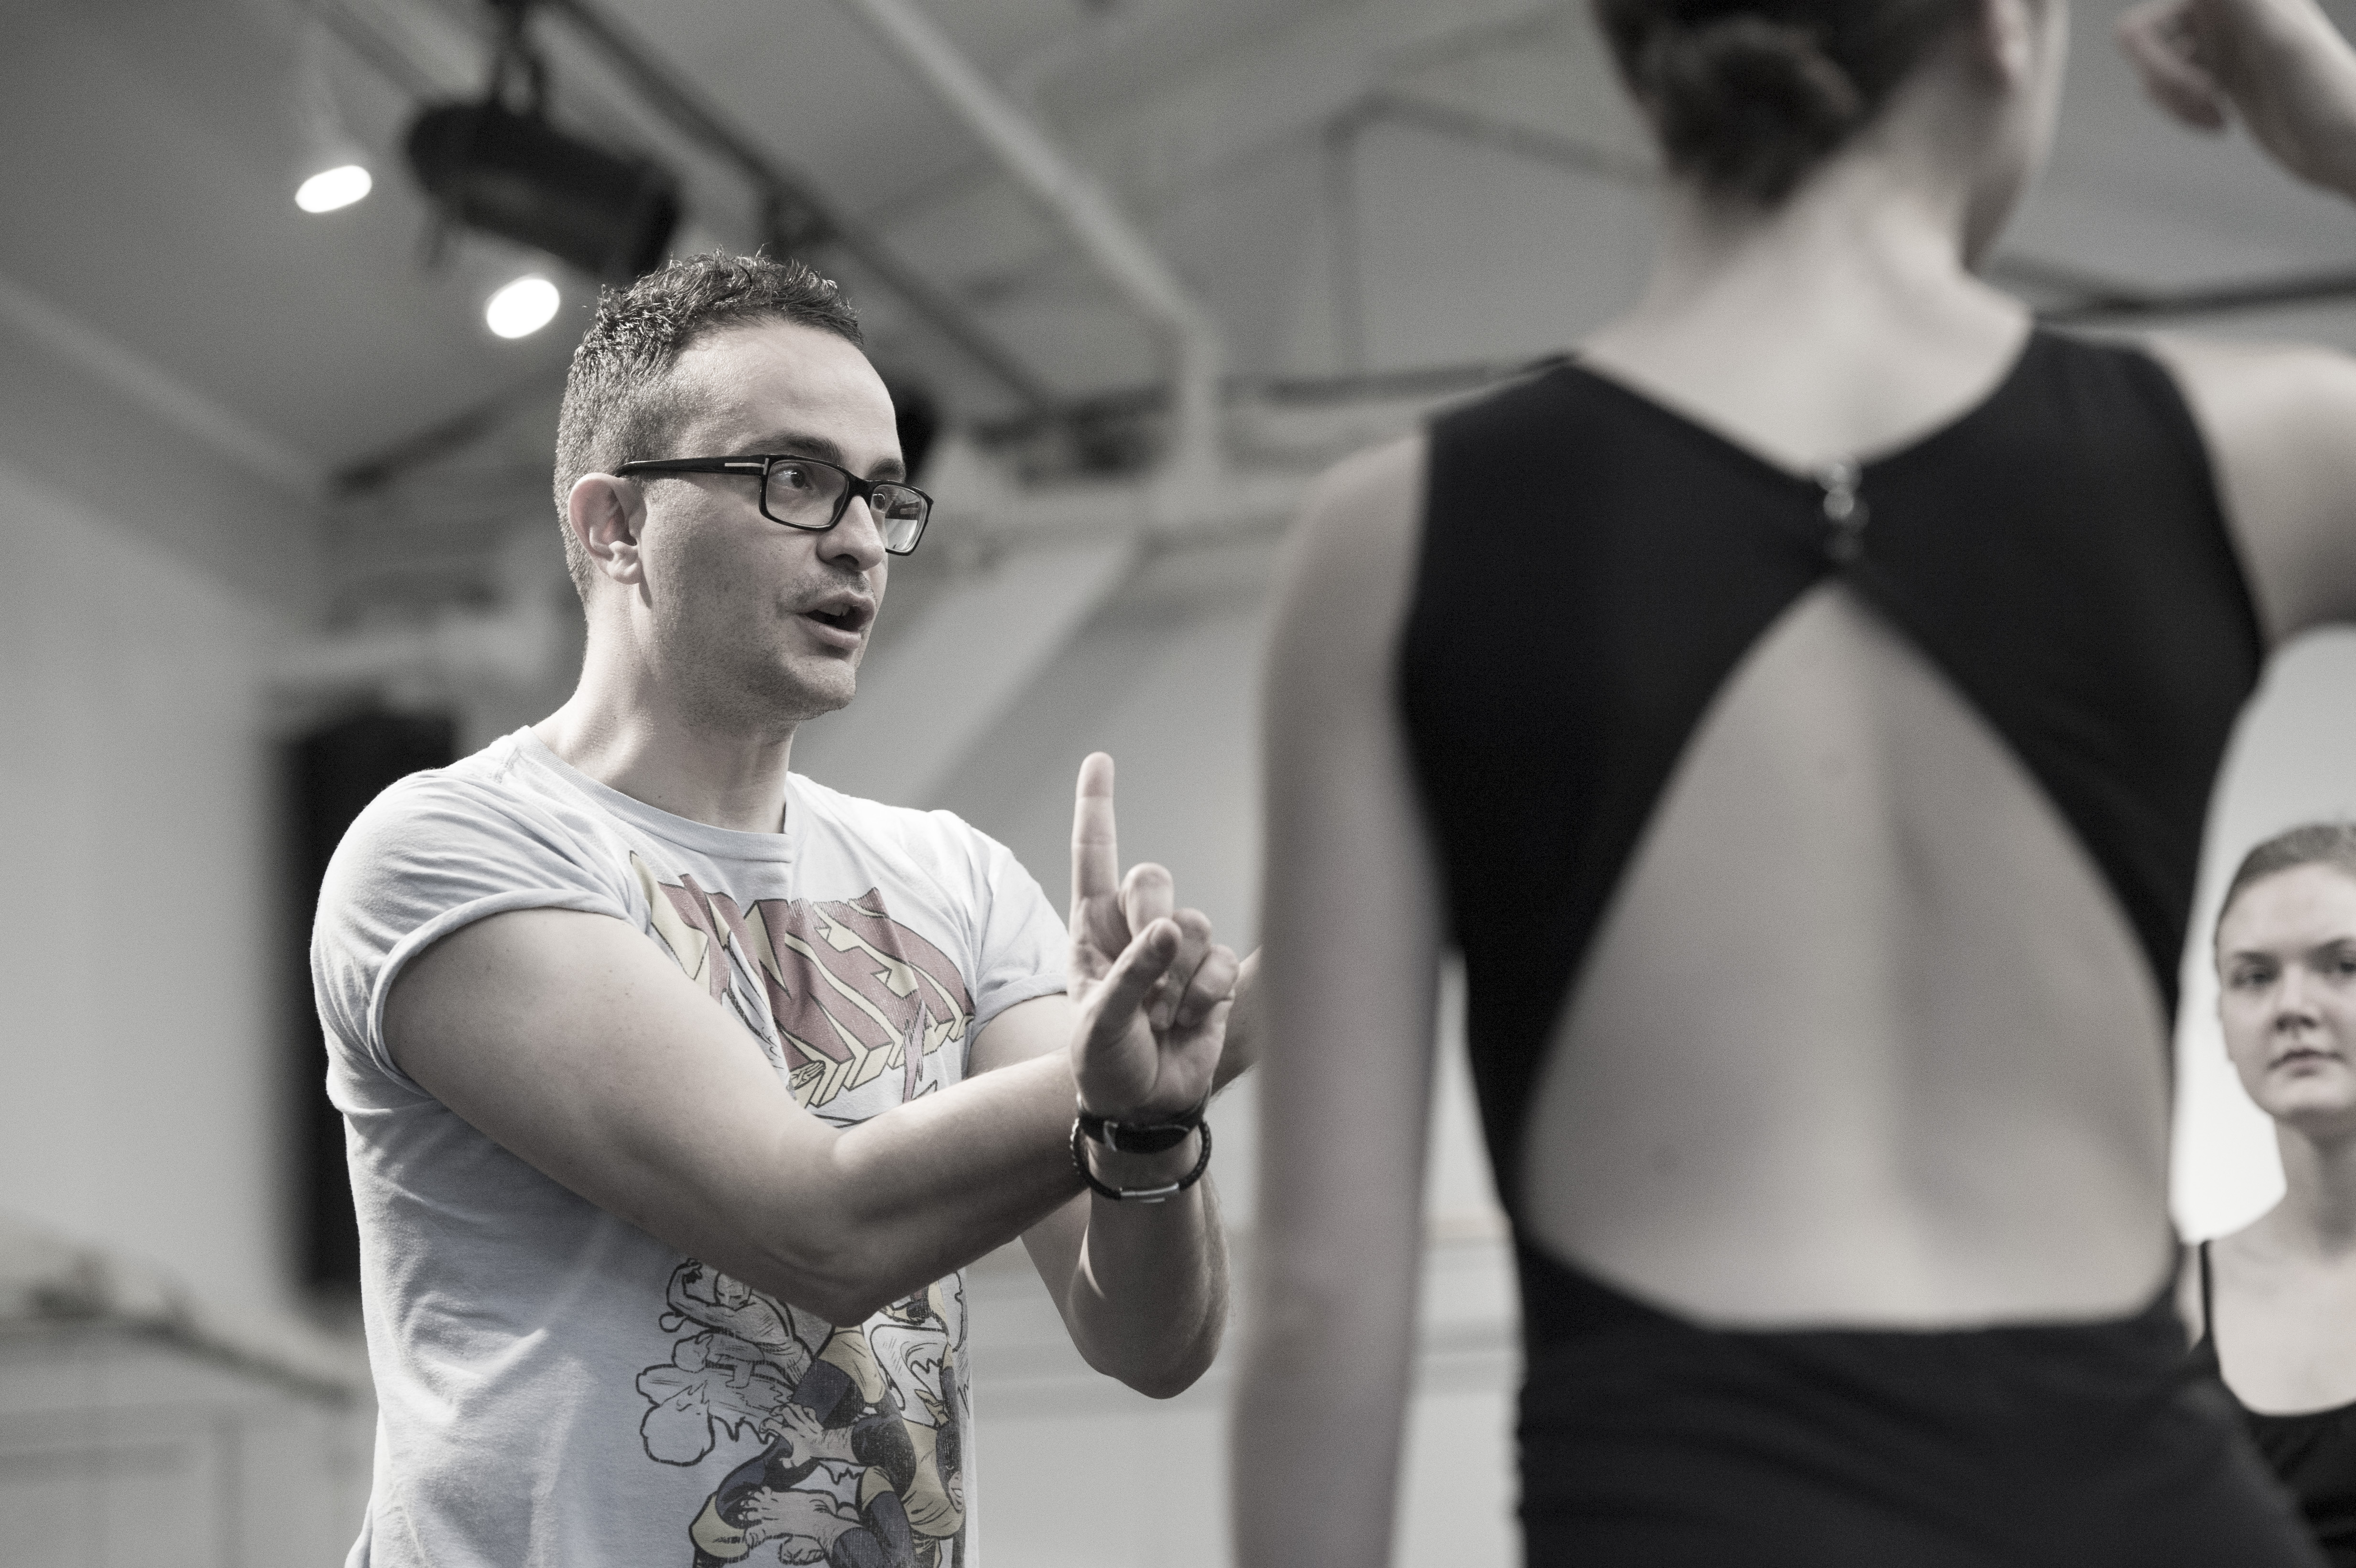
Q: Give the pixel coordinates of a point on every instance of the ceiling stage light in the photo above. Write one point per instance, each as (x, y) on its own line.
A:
(523, 307)
(510, 172)
(331, 189)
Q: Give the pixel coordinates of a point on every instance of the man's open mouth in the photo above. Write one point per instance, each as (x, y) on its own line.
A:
(844, 615)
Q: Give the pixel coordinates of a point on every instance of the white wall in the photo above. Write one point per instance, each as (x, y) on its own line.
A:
(2293, 761)
(141, 1085)
(139, 1035)
(118, 1450)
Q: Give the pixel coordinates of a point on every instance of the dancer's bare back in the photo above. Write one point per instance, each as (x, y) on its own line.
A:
(1863, 1036)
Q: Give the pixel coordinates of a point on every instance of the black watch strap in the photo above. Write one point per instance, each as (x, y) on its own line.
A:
(1139, 1194)
(1142, 1138)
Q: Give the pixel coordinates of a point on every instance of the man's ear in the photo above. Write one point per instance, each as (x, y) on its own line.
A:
(606, 514)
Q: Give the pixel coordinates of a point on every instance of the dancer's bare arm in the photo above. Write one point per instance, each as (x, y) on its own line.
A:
(570, 1039)
(2277, 66)
(1142, 1287)
(1351, 924)
(2280, 421)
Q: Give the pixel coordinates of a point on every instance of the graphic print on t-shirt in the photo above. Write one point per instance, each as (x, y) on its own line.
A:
(860, 1456)
(850, 992)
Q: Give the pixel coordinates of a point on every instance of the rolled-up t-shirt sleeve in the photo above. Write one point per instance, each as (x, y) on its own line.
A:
(430, 855)
(1023, 945)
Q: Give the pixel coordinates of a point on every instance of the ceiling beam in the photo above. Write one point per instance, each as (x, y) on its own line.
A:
(1234, 110)
(1571, 153)
(131, 374)
(1272, 92)
(1088, 216)
(798, 218)
(796, 212)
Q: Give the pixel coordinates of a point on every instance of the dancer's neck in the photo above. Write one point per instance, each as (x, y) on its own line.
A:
(1840, 323)
(2316, 1217)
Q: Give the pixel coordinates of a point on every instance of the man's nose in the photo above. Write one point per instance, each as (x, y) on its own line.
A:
(857, 536)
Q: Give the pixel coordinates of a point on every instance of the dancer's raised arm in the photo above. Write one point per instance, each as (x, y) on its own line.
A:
(2278, 418)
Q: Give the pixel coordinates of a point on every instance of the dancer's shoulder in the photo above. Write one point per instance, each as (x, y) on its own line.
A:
(1353, 558)
(2276, 420)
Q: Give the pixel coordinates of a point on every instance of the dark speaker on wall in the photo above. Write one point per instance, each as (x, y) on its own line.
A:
(331, 773)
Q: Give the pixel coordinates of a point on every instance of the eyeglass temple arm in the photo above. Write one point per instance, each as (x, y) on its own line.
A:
(696, 465)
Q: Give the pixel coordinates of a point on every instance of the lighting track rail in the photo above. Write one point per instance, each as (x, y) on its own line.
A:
(797, 216)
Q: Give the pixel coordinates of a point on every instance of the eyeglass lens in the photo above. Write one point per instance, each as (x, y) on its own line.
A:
(809, 496)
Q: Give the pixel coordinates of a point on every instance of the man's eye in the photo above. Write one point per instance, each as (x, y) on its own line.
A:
(790, 477)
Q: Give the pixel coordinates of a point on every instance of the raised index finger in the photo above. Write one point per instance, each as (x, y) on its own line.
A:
(1095, 848)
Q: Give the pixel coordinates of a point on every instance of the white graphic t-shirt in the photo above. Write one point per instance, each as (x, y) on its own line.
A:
(558, 1389)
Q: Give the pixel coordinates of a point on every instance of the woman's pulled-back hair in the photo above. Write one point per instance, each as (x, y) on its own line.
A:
(1747, 96)
(2332, 844)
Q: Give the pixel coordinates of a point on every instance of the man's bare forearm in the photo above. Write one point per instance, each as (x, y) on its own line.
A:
(943, 1179)
(1148, 1300)
(928, 1187)
(566, 1038)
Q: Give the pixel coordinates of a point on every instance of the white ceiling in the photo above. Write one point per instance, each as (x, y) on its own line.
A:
(149, 148)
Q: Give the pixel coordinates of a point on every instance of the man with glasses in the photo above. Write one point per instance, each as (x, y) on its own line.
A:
(680, 1087)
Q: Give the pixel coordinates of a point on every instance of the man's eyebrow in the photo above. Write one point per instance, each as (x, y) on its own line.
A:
(797, 444)
(801, 445)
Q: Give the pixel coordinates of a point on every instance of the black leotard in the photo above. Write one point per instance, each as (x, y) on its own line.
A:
(2312, 1452)
(1593, 568)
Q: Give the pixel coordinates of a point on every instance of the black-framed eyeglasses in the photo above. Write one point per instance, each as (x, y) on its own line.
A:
(811, 493)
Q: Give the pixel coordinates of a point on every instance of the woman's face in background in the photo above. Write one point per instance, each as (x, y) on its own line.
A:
(2286, 995)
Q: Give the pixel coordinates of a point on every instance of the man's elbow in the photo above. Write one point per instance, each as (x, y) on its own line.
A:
(829, 1272)
(1163, 1372)
(1171, 1384)
(817, 1240)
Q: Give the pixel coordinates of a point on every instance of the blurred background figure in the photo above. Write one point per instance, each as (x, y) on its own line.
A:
(274, 486)
(2272, 1303)
(1801, 711)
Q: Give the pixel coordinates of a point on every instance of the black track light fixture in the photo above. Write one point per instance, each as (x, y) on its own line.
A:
(501, 167)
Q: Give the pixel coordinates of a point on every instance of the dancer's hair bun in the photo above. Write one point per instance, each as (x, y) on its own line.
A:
(1744, 104)
(1748, 96)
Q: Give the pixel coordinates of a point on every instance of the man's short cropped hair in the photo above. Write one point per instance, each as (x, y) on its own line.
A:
(620, 401)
